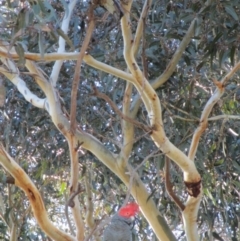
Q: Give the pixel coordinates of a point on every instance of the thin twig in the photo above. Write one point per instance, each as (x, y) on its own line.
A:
(70, 203)
(134, 171)
(220, 117)
(115, 108)
(98, 225)
(165, 104)
(77, 72)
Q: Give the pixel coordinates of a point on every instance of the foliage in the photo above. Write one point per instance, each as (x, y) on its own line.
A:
(42, 151)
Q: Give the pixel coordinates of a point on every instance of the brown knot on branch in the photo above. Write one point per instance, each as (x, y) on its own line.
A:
(219, 85)
(193, 188)
(78, 146)
(70, 201)
(10, 180)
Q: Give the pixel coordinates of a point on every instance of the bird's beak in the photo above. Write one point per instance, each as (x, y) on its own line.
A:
(132, 218)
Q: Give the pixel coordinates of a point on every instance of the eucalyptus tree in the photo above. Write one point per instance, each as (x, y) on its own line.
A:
(106, 102)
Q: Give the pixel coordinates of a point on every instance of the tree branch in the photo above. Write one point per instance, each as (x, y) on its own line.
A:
(208, 108)
(140, 27)
(127, 127)
(220, 117)
(169, 186)
(24, 182)
(176, 57)
(89, 215)
(152, 104)
(61, 42)
(71, 203)
(21, 85)
(119, 113)
(75, 187)
(77, 72)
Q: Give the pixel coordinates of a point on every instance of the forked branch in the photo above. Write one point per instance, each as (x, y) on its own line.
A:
(25, 183)
(208, 108)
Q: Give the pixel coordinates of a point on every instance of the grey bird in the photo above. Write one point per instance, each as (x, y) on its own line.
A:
(120, 227)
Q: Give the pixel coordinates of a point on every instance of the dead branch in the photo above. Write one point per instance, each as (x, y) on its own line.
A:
(77, 72)
(169, 186)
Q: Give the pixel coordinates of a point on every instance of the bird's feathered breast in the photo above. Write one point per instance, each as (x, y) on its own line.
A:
(120, 229)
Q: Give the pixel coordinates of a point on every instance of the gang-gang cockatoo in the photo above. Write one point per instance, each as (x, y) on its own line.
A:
(121, 225)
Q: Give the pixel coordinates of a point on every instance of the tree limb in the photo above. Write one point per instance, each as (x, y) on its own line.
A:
(89, 214)
(77, 72)
(61, 42)
(24, 182)
(208, 108)
(115, 108)
(169, 186)
(127, 127)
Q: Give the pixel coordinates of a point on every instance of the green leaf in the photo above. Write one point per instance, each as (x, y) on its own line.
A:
(236, 183)
(236, 165)
(232, 104)
(232, 55)
(63, 188)
(49, 11)
(213, 147)
(219, 162)
(223, 55)
(41, 44)
(35, 7)
(230, 10)
(217, 37)
(20, 51)
(187, 60)
(209, 194)
(187, 17)
(65, 37)
(21, 23)
(41, 5)
(200, 66)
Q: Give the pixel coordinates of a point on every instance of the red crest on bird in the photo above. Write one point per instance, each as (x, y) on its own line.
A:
(130, 210)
